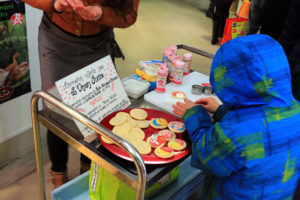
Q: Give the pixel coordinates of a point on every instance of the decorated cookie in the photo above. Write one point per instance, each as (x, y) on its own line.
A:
(142, 123)
(156, 141)
(176, 127)
(178, 95)
(177, 144)
(164, 152)
(138, 114)
(169, 135)
(117, 120)
(159, 123)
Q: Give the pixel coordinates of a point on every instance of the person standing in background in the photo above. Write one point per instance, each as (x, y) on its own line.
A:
(290, 41)
(268, 16)
(73, 34)
(220, 14)
(210, 10)
(233, 8)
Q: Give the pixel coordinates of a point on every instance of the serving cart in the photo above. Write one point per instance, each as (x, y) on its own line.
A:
(135, 174)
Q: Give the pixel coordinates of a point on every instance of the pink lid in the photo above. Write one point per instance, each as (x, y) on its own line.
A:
(187, 56)
(173, 48)
(171, 56)
(163, 65)
(180, 64)
(175, 59)
(167, 52)
(163, 70)
(205, 84)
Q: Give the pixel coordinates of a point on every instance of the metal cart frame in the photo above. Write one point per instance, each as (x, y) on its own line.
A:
(85, 148)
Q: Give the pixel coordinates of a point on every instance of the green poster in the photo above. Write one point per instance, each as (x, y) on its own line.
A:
(14, 66)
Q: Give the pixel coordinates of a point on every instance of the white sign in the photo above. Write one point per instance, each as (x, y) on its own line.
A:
(95, 91)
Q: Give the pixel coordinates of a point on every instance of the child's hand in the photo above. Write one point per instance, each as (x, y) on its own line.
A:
(209, 103)
(180, 108)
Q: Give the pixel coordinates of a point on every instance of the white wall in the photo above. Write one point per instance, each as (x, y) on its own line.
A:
(15, 115)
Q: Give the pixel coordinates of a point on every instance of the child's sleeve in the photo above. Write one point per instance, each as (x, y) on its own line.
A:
(212, 150)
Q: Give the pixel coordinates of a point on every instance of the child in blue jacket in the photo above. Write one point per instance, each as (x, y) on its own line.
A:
(250, 149)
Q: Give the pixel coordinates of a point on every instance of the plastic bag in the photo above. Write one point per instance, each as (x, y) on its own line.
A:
(244, 9)
(234, 27)
(105, 186)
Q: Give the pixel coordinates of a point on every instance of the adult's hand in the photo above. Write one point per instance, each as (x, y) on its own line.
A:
(60, 5)
(209, 103)
(181, 107)
(87, 12)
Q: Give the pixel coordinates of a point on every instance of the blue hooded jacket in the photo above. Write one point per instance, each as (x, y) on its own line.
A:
(253, 151)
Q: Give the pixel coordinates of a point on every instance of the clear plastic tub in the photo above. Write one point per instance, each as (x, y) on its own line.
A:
(135, 88)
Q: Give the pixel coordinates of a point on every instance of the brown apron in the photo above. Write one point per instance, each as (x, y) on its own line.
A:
(62, 53)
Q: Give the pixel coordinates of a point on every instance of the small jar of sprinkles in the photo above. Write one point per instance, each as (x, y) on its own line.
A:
(178, 72)
(187, 59)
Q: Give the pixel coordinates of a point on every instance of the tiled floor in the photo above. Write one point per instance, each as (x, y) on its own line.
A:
(160, 23)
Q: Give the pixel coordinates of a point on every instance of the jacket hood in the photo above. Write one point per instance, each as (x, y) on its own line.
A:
(251, 71)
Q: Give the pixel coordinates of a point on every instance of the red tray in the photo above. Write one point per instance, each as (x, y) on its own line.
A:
(149, 158)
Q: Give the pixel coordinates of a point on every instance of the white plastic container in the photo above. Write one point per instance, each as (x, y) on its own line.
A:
(135, 88)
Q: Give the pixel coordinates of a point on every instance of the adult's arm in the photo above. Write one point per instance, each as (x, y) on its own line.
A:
(213, 151)
(46, 5)
(291, 31)
(110, 18)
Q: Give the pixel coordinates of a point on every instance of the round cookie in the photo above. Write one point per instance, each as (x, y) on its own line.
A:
(137, 132)
(121, 132)
(169, 135)
(117, 120)
(132, 122)
(177, 144)
(156, 141)
(179, 95)
(122, 128)
(142, 123)
(123, 114)
(164, 152)
(176, 127)
(142, 147)
(159, 123)
(138, 114)
(106, 140)
(129, 138)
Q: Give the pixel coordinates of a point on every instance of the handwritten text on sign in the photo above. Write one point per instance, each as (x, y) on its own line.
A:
(95, 91)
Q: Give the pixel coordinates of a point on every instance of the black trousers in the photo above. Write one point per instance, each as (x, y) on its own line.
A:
(220, 14)
(58, 152)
